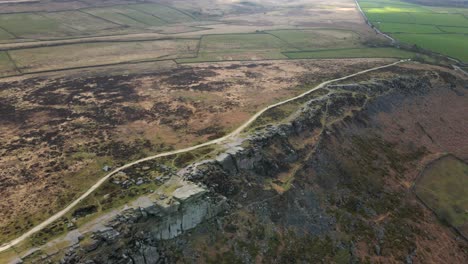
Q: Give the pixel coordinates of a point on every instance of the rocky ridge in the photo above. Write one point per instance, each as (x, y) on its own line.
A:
(235, 181)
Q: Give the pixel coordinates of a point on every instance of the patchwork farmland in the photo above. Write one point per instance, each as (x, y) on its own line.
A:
(442, 30)
(117, 19)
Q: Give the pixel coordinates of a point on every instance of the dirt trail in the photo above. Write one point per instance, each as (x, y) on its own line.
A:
(231, 135)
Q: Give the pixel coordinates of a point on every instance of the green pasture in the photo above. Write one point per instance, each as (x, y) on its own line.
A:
(452, 10)
(439, 19)
(453, 45)
(460, 30)
(383, 9)
(443, 187)
(373, 3)
(418, 18)
(407, 28)
(389, 17)
(442, 30)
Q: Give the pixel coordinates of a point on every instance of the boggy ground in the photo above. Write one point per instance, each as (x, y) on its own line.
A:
(58, 133)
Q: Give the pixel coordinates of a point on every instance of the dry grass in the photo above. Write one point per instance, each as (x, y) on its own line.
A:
(81, 55)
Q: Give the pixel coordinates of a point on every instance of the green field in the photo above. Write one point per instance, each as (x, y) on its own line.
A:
(452, 10)
(407, 28)
(416, 18)
(352, 53)
(443, 187)
(442, 30)
(461, 30)
(452, 45)
(439, 19)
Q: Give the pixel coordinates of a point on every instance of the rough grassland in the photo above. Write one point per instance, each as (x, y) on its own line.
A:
(6, 66)
(318, 39)
(232, 42)
(81, 21)
(142, 17)
(271, 44)
(114, 15)
(443, 188)
(239, 47)
(234, 56)
(33, 25)
(5, 35)
(81, 55)
(351, 53)
(165, 13)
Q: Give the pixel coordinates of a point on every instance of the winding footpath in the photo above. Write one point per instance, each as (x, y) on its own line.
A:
(231, 135)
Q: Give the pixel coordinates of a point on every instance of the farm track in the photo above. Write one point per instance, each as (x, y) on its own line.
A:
(370, 24)
(231, 135)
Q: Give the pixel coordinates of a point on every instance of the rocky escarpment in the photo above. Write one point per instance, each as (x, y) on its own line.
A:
(152, 220)
(326, 186)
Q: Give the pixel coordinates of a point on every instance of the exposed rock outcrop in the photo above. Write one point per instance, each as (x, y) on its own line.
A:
(320, 188)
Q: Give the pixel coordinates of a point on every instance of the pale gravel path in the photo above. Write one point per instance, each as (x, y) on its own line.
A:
(170, 153)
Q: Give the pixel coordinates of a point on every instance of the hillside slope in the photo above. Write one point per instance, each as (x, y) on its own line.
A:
(333, 184)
